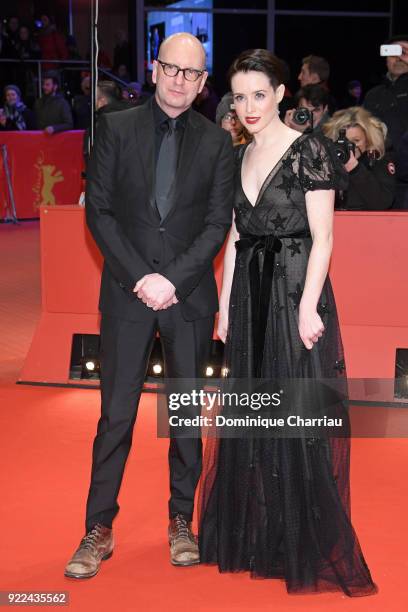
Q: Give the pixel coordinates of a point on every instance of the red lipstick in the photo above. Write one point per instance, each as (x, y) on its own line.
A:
(251, 120)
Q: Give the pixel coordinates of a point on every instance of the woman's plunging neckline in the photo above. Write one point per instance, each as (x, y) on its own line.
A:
(260, 192)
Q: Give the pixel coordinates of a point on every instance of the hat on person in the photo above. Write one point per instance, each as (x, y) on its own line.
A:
(14, 88)
(397, 38)
(225, 106)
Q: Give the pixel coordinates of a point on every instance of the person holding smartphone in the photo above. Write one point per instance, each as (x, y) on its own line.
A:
(389, 101)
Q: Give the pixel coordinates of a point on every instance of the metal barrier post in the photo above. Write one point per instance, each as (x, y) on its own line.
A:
(10, 215)
(39, 80)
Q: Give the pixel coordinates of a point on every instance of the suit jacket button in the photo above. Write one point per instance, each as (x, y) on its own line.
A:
(121, 285)
(156, 261)
(162, 229)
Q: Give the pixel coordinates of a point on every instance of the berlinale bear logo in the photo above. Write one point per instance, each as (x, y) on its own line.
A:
(48, 176)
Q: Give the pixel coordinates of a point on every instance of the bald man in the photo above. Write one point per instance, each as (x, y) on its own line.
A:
(159, 205)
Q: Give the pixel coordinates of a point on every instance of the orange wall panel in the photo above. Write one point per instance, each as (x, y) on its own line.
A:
(369, 273)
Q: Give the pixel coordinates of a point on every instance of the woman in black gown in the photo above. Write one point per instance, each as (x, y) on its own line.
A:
(280, 507)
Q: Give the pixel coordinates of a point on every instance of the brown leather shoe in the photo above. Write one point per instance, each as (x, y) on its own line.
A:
(183, 543)
(94, 548)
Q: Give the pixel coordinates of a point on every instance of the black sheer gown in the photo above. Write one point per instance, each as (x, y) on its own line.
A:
(282, 509)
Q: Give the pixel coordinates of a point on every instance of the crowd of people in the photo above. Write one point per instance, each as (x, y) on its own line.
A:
(40, 39)
(376, 124)
(371, 132)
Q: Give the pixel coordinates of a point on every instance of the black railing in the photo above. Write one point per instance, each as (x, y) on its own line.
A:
(66, 65)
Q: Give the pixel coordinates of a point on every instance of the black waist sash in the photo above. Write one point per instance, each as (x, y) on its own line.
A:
(260, 286)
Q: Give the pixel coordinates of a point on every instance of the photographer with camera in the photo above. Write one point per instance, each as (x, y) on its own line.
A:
(311, 110)
(359, 143)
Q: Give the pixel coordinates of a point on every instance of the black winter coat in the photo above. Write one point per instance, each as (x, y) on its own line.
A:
(371, 185)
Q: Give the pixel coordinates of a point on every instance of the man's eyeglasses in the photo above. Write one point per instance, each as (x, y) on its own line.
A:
(230, 117)
(171, 70)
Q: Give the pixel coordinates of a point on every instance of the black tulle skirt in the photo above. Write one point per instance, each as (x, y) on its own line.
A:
(280, 507)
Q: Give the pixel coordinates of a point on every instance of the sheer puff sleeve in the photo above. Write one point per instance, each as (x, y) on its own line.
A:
(319, 167)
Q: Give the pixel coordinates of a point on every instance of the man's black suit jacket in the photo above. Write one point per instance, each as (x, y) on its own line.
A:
(122, 216)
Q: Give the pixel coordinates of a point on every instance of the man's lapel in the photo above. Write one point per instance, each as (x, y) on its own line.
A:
(146, 142)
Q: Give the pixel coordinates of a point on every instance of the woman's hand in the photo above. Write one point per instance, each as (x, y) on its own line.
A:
(311, 326)
(352, 162)
(222, 327)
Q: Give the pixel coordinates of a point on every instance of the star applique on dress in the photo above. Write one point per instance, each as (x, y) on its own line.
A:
(279, 222)
(317, 163)
(277, 307)
(287, 162)
(294, 247)
(296, 296)
(287, 184)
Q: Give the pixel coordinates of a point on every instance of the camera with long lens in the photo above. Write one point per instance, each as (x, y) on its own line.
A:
(343, 147)
(302, 115)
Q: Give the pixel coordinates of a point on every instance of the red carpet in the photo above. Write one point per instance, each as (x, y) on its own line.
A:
(46, 439)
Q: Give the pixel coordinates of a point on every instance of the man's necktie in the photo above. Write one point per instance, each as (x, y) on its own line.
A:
(166, 167)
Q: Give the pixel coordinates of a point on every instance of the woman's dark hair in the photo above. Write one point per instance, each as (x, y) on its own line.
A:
(259, 60)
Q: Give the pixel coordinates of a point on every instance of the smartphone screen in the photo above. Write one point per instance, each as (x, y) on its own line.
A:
(390, 50)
